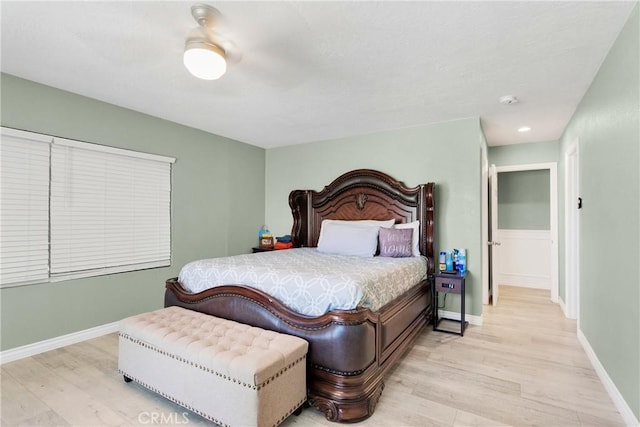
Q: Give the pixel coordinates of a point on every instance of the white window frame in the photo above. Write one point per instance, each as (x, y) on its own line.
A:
(109, 209)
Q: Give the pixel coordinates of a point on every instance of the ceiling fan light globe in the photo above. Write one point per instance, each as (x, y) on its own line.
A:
(205, 61)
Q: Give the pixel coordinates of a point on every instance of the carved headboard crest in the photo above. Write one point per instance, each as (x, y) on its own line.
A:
(361, 199)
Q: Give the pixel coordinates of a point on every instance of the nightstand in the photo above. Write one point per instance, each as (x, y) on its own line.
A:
(449, 284)
(259, 249)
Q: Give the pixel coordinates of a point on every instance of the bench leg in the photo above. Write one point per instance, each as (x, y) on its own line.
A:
(304, 405)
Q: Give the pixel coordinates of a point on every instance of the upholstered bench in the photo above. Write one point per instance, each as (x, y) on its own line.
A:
(230, 373)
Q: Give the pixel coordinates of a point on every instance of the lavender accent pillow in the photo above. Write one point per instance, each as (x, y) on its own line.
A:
(395, 242)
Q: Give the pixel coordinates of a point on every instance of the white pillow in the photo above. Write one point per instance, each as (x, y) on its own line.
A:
(415, 245)
(365, 222)
(348, 239)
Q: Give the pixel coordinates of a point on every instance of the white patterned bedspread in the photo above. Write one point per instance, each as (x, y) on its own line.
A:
(310, 282)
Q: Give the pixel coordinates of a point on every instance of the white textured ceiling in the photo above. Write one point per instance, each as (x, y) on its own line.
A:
(321, 70)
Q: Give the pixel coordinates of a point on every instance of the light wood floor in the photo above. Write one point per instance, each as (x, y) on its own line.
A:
(523, 367)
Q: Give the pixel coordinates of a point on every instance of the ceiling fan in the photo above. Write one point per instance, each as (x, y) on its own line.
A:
(277, 61)
(206, 51)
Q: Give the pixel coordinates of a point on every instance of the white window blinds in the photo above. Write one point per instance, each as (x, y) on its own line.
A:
(110, 210)
(24, 207)
(71, 209)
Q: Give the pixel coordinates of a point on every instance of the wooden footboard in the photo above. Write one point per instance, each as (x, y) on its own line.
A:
(349, 350)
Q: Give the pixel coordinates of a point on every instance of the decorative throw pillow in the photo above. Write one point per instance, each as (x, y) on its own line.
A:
(415, 226)
(395, 242)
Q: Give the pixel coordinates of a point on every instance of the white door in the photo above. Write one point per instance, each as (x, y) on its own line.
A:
(520, 270)
(493, 234)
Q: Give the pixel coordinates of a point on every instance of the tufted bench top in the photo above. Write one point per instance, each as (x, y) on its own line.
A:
(230, 349)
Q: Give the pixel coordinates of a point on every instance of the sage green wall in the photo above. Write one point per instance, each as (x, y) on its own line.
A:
(217, 204)
(524, 154)
(607, 126)
(524, 200)
(445, 153)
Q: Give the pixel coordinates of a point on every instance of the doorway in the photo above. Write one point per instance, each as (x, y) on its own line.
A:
(491, 280)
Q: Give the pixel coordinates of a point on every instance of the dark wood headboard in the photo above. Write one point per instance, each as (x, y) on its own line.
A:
(364, 194)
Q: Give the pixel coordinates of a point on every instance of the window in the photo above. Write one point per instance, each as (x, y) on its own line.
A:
(24, 207)
(105, 210)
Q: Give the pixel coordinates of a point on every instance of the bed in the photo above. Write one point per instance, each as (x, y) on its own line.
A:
(350, 351)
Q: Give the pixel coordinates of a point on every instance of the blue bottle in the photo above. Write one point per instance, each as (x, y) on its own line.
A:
(462, 261)
(449, 262)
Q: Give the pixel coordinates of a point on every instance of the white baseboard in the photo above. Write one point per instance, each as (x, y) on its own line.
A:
(454, 315)
(563, 307)
(621, 405)
(29, 350)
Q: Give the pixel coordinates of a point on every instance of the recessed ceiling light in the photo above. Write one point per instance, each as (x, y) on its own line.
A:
(524, 129)
(508, 100)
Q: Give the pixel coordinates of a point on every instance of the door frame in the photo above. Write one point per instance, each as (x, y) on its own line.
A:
(484, 194)
(553, 215)
(571, 306)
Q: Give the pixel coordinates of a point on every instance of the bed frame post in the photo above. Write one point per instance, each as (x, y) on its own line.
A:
(427, 220)
(300, 204)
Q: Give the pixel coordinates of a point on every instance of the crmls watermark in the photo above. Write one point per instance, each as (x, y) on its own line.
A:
(157, 418)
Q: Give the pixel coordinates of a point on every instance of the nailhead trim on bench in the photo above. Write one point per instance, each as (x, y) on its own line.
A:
(196, 411)
(202, 414)
(209, 370)
(171, 398)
